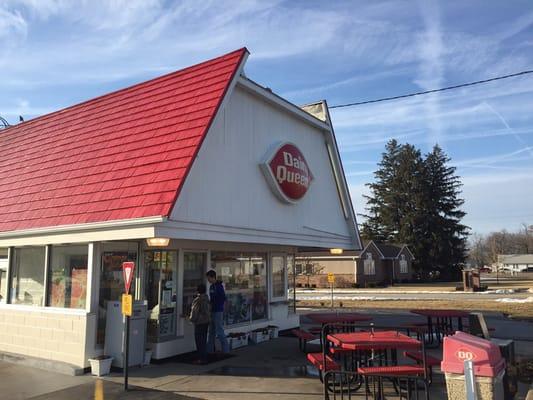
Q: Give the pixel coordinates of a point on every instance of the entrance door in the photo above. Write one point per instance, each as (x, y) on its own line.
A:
(161, 288)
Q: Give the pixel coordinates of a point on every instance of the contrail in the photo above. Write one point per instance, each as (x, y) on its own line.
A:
(504, 122)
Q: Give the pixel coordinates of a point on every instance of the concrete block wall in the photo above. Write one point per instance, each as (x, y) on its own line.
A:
(44, 333)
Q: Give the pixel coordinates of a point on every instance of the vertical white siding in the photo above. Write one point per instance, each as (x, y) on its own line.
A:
(226, 187)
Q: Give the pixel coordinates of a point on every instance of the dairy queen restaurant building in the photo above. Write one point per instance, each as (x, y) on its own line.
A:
(199, 169)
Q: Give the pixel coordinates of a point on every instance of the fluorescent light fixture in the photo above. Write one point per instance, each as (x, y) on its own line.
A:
(157, 242)
(336, 251)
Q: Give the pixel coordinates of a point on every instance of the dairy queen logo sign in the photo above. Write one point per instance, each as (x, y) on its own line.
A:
(287, 172)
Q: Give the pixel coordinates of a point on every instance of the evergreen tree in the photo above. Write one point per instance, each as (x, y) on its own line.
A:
(415, 200)
(376, 227)
(448, 245)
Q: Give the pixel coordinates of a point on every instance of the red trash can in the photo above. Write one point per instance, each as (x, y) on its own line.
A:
(488, 363)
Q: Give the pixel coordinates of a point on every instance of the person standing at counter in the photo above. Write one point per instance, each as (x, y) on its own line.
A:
(200, 318)
(217, 296)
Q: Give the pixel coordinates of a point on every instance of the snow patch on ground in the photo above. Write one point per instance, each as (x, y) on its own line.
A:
(508, 300)
(500, 291)
(355, 291)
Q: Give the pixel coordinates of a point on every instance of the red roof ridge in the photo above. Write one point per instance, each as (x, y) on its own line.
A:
(160, 78)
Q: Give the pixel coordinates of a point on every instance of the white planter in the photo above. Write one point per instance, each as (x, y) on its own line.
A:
(147, 357)
(100, 367)
(274, 331)
(238, 341)
(259, 336)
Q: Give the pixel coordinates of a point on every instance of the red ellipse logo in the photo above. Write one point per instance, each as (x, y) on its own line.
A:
(287, 172)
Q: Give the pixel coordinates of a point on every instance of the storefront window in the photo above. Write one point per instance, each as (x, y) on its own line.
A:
(279, 275)
(111, 280)
(67, 286)
(245, 278)
(27, 286)
(161, 269)
(3, 275)
(193, 275)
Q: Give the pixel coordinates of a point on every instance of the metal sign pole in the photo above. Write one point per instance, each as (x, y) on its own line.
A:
(127, 310)
(332, 296)
(126, 352)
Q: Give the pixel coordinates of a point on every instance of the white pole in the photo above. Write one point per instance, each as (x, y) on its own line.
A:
(470, 380)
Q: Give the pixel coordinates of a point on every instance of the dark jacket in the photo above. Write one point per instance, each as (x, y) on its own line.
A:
(217, 296)
(200, 310)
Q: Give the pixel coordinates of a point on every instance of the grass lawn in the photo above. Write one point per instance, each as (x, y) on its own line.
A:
(514, 310)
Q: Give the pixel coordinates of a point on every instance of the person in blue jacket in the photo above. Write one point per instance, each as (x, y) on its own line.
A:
(217, 295)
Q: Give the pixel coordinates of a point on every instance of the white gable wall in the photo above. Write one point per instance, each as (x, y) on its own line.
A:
(226, 196)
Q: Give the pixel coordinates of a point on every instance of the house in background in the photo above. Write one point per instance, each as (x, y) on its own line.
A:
(515, 262)
(376, 263)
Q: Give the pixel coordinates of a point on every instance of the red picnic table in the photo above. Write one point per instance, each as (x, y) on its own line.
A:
(443, 323)
(382, 342)
(379, 340)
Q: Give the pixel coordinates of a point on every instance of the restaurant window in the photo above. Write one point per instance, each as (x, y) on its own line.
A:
(111, 280)
(67, 284)
(245, 279)
(369, 265)
(27, 284)
(193, 275)
(161, 280)
(3, 274)
(403, 265)
(279, 278)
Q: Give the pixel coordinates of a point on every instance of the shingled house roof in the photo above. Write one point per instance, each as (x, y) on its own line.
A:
(389, 250)
(121, 156)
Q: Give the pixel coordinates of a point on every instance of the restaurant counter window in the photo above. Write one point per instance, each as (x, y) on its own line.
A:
(245, 279)
(111, 280)
(279, 278)
(161, 271)
(67, 286)
(27, 285)
(3, 275)
(193, 275)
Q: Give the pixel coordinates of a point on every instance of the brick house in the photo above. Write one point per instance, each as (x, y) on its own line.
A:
(376, 263)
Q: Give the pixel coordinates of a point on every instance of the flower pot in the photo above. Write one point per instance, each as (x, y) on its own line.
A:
(100, 365)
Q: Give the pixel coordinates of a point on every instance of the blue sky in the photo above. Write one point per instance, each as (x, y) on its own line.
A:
(59, 52)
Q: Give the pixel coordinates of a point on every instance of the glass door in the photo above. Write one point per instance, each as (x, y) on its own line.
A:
(161, 287)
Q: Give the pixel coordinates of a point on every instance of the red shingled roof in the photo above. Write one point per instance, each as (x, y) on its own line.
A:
(120, 156)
